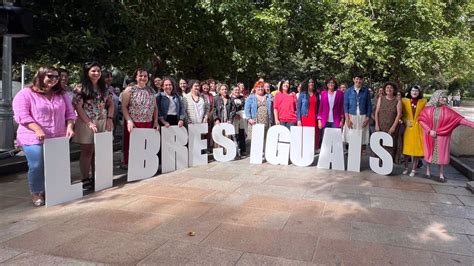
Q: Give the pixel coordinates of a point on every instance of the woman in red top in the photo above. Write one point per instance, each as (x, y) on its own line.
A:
(285, 105)
(307, 108)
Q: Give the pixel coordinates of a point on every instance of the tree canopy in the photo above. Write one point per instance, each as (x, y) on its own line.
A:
(419, 42)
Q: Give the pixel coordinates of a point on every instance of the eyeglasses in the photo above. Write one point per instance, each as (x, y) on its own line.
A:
(51, 76)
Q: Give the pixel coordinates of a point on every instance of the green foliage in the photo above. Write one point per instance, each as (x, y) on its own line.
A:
(422, 42)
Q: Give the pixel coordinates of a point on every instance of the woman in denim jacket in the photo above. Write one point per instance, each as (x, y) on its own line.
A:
(357, 109)
(170, 107)
(259, 107)
(307, 108)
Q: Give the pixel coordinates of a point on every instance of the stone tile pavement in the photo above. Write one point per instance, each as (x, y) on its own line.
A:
(243, 214)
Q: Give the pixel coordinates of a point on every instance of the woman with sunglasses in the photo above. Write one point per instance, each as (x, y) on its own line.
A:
(95, 109)
(42, 110)
(412, 106)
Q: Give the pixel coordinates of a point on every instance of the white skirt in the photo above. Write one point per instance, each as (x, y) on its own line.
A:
(357, 122)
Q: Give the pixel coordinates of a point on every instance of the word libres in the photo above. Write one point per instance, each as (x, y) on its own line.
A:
(182, 148)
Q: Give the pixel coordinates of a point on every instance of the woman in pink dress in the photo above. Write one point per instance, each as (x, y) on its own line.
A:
(438, 121)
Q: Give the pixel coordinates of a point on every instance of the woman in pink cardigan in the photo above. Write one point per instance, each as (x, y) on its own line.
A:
(42, 110)
(331, 107)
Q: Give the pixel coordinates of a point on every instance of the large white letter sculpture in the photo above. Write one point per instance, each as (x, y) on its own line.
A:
(277, 147)
(331, 150)
(222, 140)
(104, 161)
(387, 162)
(197, 144)
(174, 153)
(302, 146)
(256, 147)
(143, 160)
(355, 147)
(57, 172)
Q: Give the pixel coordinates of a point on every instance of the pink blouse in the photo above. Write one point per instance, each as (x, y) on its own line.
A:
(50, 115)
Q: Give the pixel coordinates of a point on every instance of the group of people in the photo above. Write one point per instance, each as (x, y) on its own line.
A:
(48, 108)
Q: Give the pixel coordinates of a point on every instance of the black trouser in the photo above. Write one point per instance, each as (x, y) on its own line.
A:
(241, 141)
(172, 119)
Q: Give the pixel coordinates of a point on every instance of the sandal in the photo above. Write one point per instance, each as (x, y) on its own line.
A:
(440, 179)
(412, 173)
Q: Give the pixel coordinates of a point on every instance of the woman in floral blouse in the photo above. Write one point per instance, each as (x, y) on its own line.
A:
(95, 108)
(139, 109)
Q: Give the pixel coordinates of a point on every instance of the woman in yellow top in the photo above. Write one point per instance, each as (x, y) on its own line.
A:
(412, 105)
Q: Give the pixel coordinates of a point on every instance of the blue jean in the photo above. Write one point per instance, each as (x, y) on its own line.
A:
(288, 124)
(34, 156)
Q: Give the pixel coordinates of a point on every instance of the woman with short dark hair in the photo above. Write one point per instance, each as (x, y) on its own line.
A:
(139, 109)
(412, 106)
(331, 107)
(195, 105)
(387, 115)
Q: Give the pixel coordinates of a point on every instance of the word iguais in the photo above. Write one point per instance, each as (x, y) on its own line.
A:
(182, 148)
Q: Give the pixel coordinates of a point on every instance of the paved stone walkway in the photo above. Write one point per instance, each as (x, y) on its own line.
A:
(243, 214)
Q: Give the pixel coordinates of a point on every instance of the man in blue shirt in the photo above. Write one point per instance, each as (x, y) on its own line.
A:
(357, 109)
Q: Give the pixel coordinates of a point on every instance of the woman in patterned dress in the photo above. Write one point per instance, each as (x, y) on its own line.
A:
(95, 109)
(438, 122)
(139, 109)
(258, 107)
